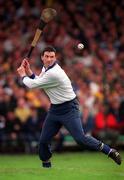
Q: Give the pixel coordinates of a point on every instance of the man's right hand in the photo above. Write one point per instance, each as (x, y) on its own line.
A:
(26, 65)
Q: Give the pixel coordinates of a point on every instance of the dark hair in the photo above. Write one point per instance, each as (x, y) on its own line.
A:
(49, 49)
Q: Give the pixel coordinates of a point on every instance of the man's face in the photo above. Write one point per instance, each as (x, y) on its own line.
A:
(48, 58)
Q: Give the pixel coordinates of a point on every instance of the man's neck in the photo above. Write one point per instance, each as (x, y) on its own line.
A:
(48, 65)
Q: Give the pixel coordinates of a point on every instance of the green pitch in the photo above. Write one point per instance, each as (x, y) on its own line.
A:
(68, 166)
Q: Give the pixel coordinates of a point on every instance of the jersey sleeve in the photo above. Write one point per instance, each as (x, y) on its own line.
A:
(34, 76)
(47, 80)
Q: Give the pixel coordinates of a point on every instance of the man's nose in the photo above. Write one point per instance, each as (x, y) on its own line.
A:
(49, 58)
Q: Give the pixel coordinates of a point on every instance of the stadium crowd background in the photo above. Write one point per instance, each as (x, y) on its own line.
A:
(97, 71)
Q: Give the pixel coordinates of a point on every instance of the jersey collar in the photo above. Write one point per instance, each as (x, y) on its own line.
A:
(51, 66)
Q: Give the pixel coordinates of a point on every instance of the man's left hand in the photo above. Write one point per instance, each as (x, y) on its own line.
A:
(21, 71)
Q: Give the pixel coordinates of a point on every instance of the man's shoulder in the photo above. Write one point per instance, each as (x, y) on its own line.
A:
(55, 69)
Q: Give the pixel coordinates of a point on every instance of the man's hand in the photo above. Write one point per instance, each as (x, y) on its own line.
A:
(21, 71)
(26, 65)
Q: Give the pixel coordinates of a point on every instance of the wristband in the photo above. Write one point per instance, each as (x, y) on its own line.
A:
(32, 76)
(23, 77)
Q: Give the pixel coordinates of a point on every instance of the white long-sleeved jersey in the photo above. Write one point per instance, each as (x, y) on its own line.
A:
(55, 83)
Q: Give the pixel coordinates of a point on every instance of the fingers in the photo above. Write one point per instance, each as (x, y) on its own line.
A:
(21, 68)
(21, 71)
(18, 70)
(25, 63)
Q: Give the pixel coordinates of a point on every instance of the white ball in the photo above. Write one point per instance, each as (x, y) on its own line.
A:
(80, 46)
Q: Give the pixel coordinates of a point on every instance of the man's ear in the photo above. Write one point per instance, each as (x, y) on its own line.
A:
(41, 57)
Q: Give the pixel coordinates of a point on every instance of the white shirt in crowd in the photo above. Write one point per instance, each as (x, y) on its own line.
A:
(55, 83)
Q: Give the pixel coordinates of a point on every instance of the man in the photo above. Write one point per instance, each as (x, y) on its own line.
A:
(64, 108)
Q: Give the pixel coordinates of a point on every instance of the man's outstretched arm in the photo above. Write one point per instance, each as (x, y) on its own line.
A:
(48, 79)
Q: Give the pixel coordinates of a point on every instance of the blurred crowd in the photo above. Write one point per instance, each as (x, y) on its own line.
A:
(96, 72)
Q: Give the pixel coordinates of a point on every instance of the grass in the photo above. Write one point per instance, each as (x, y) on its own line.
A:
(67, 166)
